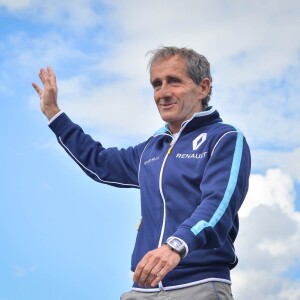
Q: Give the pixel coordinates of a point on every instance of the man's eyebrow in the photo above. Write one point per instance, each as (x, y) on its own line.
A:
(169, 77)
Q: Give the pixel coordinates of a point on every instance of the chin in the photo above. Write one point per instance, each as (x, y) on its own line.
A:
(167, 118)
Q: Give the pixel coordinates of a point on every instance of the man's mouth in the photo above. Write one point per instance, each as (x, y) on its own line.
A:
(167, 104)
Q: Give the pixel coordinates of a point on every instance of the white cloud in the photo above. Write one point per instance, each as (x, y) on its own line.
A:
(21, 271)
(24, 54)
(78, 15)
(110, 107)
(268, 244)
(222, 31)
(275, 190)
(285, 160)
(291, 291)
(15, 4)
(263, 284)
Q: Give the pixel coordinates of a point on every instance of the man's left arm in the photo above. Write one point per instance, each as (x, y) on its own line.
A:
(224, 187)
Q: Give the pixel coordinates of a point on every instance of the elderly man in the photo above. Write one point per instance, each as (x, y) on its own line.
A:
(192, 174)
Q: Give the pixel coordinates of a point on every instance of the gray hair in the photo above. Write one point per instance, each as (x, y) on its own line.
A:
(198, 66)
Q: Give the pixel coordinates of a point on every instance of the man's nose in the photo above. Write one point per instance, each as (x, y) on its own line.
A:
(165, 91)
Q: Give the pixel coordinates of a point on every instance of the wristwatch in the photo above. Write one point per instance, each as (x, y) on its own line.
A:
(177, 245)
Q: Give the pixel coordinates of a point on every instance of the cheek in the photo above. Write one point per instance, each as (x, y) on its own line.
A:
(156, 98)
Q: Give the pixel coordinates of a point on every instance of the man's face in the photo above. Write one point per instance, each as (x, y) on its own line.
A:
(176, 95)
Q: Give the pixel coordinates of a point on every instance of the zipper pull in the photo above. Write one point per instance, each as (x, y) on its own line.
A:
(139, 226)
(170, 149)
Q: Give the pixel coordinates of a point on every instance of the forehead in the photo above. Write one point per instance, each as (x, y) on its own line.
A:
(173, 65)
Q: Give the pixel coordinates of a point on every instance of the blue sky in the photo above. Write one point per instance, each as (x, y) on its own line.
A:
(64, 236)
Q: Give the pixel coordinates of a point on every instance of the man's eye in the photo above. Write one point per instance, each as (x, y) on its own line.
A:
(156, 84)
(174, 80)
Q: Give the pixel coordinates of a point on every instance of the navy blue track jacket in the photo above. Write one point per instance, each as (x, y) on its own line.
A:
(191, 188)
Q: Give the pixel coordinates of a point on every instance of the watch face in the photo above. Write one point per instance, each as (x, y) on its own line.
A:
(176, 243)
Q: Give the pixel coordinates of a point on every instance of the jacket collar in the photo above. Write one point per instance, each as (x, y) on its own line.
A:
(199, 119)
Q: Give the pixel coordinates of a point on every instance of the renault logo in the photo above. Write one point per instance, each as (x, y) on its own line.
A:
(199, 140)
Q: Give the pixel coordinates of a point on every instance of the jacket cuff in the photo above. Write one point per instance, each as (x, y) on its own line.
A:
(60, 124)
(188, 237)
(56, 116)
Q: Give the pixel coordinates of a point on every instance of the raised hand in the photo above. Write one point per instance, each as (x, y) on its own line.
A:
(48, 96)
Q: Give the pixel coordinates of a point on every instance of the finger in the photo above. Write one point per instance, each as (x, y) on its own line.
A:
(144, 269)
(136, 275)
(138, 271)
(166, 267)
(43, 76)
(159, 277)
(154, 276)
(149, 281)
(145, 275)
(37, 88)
(51, 74)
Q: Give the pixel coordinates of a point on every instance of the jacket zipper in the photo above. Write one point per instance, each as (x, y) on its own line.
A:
(170, 149)
(164, 205)
(162, 195)
(161, 287)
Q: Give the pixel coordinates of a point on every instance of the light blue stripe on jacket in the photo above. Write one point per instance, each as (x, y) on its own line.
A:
(234, 172)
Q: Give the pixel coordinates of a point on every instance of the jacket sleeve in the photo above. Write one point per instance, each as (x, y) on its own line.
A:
(223, 189)
(110, 166)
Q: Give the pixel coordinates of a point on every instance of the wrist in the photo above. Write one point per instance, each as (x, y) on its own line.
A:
(50, 113)
(177, 245)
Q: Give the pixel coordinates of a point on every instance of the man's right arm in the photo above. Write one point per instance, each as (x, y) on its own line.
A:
(111, 166)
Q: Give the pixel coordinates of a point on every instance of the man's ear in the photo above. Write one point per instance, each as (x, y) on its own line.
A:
(205, 85)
